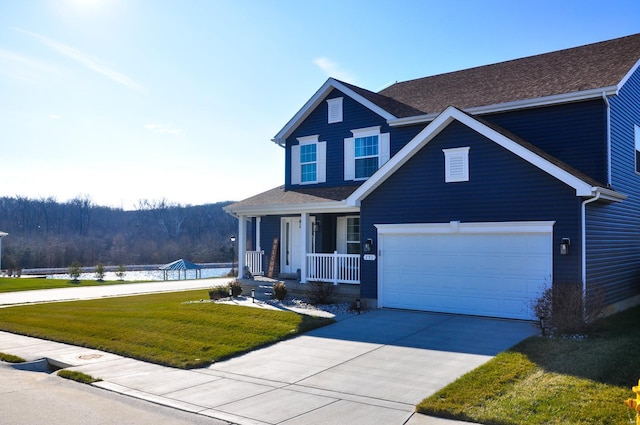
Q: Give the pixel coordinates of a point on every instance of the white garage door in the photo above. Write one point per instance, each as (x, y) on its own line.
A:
(486, 269)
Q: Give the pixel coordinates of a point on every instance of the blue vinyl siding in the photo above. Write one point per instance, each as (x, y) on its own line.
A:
(613, 230)
(269, 229)
(355, 116)
(575, 133)
(502, 187)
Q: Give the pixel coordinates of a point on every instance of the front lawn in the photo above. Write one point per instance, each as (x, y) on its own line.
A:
(159, 328)
(551, 380)
(14, 284)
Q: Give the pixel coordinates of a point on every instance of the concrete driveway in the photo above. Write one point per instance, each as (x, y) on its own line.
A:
(367, 369)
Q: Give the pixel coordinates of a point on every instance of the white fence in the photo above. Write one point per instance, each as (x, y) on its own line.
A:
(335, 268)
(254, 262)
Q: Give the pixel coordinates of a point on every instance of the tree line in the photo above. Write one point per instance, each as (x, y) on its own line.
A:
(45, 233)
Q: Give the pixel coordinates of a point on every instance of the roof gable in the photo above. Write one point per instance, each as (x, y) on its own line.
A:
(583, 185)
(592, 68)
(362, 96)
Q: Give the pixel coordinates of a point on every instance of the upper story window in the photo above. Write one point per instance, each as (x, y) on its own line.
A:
(365, 153)
(308, 161)
(366, 156)
(637, 138)
(456, 165)
(334, 107)
(308, 165)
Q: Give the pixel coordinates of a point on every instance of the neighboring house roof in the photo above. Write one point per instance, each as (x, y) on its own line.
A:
(599, 66)
(583, 185)
(180, 265)
(278, 200)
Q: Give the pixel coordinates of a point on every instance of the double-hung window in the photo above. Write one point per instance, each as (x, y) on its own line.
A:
(308, 165)
(365, 153)
(308, 161)
(366, 156)
(348, 235)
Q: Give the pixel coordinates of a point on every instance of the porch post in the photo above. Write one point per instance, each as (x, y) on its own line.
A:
(242, 244)
(304, 235)
(257, 242)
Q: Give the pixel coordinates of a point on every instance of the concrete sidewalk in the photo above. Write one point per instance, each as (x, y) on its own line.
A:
(106, 290)
(366, 369)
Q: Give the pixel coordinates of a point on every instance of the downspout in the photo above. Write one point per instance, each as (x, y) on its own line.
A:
(584, 245)
(606, 101)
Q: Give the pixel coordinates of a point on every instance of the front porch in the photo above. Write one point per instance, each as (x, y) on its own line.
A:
(332, 268)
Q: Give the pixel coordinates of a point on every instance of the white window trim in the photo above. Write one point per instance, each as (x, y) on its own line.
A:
(456, 165)
(349, 150)
(341, 233)
(321, 160)
(335, 110)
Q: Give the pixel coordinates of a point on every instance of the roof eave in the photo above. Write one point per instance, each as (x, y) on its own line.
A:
(284, 209)
(518, 104)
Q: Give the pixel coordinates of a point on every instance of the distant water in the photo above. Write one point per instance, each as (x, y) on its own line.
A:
(149, 274)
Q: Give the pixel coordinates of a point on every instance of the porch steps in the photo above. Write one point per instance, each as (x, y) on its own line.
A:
(263, 287)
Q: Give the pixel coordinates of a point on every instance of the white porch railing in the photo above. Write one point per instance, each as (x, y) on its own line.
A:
(335, 268)
(254, 262)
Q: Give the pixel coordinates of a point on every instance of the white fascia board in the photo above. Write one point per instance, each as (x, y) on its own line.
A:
(629, 74)
(317, 98)
(519, 104)
(436, 126)
(317, 208)
(3, 234)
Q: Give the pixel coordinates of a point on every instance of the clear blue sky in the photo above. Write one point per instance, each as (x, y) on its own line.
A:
(124, 100)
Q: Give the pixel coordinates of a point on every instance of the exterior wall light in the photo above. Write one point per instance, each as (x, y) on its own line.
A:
(564, 246)
(368, 245)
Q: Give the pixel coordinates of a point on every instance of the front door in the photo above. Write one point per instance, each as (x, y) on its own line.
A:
(291, 255)
(290, 261)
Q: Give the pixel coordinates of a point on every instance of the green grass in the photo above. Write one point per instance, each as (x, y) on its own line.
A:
(10, 358)
(78, 376)
(551, 380)
(10, 284)
(159, 328)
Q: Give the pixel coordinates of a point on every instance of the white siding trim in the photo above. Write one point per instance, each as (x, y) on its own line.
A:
(384, 149)
(457, 227)
(443, 120)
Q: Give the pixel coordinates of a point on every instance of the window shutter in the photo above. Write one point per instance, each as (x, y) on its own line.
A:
(295, 164)
(349, 159)
(384, 149)
(321, 162)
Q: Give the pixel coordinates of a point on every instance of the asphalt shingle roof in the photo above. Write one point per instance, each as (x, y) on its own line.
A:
(587, 67)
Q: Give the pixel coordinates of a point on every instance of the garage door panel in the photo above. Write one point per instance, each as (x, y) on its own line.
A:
(491, 274)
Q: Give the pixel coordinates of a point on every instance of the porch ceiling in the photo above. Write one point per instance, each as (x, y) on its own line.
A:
(281, 201)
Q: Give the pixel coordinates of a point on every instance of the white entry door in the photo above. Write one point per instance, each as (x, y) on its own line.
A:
(291, 253)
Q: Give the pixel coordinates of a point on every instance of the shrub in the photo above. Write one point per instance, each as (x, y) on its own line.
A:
(565, 309)
(100, 270)
(74, 271)
(320, 292)
(236, 288)
(217, 292)
(279, 291)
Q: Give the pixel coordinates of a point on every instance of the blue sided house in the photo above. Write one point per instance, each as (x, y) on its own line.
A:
(468, 192)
